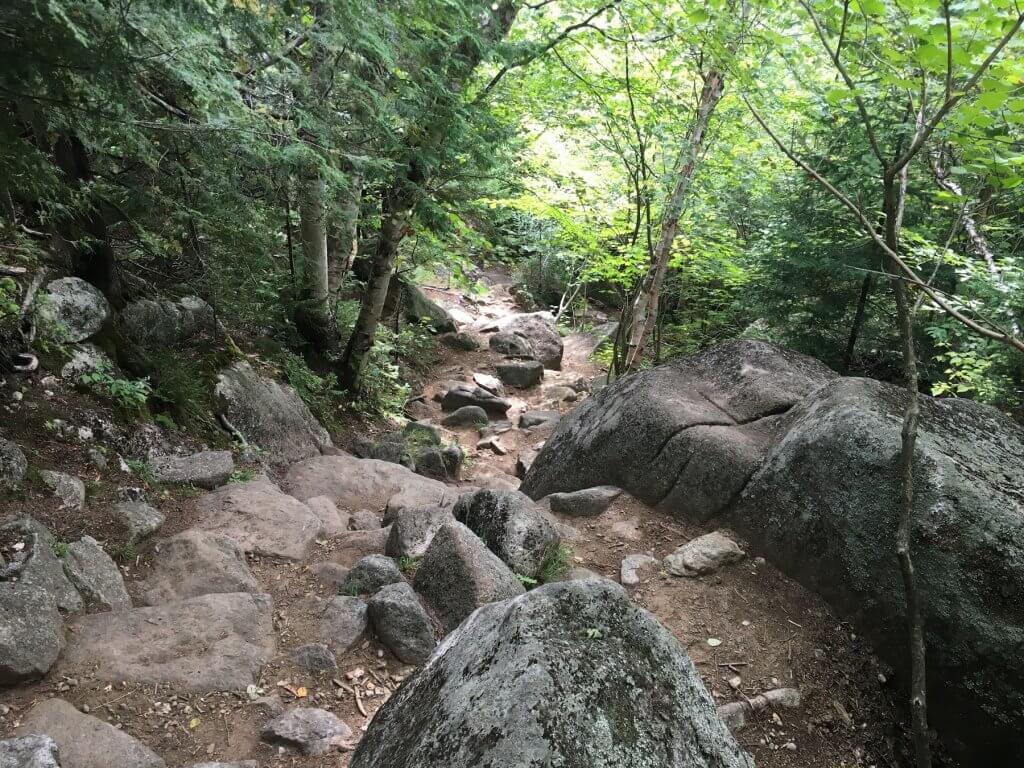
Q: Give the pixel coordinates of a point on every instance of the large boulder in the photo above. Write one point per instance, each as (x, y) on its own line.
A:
(261, 519)
(206, 469)
(418, 307)
(74, 309)
(353, 484)
(571, 674)
(512, 527)
(269, 414)
(511, 344)
(162, 323)
(462, 395)
(521, 374)
(95, 575)
(824, 509)
(459, 573)
(686, 435)
(401, 623)
(540, 329)
(413, 529)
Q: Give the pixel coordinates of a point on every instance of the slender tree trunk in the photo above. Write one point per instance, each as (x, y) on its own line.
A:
(395, 210)
(858, 323)
(645, 307)
(313, 316)
(979, 245)
(893, 201)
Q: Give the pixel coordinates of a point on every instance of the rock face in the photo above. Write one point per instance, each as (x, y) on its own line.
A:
(512, 527)
(195, 563)
(162, 323)
(76, 308)
(85, 741)
(686, 435)
(823, 508)
(261, 519)
(705, 554)
(13, 464)
(31, 632)
(353, 483)
(401, 623)
(459, 574)
(308, 730)
(269, 414)
(212, 642)
(540, 329)
(571, 674)
(521, 373)
(29, 752)
(206, 469)
(95, 575)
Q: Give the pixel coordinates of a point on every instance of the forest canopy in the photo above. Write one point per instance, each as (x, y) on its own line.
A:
(284, 160)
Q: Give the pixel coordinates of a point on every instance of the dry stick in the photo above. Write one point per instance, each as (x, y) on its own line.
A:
(998, 335)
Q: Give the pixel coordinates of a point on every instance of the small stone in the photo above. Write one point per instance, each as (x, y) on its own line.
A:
(401, 623)
(466, 416)
(314, 657)
(344, 622)
(704, 555)
(138, 519)
(330, 574)
(521, 374)
(95, 575)
(370, 574)
(588, 502)
(364, 520)
(70, 490)
(637, 567)
(307, 730)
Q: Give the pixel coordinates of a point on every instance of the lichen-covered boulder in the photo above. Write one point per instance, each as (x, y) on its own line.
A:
(31, 632)
(74, 309)
(162, 323)
(13, 464)
(571, 674)
(269, 414)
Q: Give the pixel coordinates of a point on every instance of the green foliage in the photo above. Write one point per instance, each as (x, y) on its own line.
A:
(60, 548)
(556, 564)
(241, 476)
(130, 395)
(142, 470)
(182, 386)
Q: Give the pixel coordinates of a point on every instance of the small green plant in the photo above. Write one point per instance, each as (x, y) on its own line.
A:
(527, 581)
(60, 548)
(408, 565)
(125, 552)
(166, 422)
(242, 476)
(131, 395)
(593, 633)
(556, 564)
(141, 468)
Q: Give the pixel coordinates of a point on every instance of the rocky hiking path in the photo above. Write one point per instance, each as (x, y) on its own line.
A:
(271, 618)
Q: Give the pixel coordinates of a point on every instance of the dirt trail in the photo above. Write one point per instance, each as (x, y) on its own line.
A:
(772, 632)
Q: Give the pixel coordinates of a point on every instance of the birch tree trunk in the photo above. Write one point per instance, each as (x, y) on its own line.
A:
(645, 308)
(313, 315)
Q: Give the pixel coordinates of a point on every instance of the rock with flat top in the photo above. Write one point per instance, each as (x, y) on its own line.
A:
(533, 419)
(521, 374)
(194, 563)
(206, 469)
(217, 642)
(307, 730)
(95, 575)
(261, 519)
(587, 502)
(704, 555)
(462, 395)
(85, 741)
(491, 383)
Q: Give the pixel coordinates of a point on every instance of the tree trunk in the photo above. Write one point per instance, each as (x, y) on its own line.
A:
(86, 235)
(858, 323)
(893, 202)
(313, 316)
(645, 307)
(395, 210)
